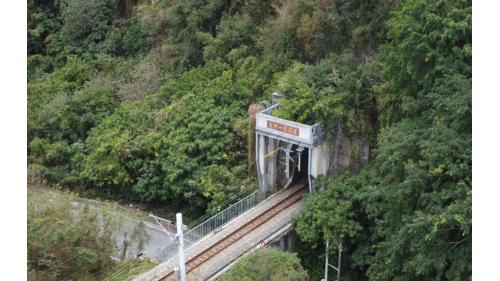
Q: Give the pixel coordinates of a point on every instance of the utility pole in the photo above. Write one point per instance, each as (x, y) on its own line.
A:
(338, 263)
(327, 264)
(181, 276)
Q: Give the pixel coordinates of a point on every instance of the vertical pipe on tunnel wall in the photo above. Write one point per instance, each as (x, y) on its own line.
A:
(257, 166)
(309, 177)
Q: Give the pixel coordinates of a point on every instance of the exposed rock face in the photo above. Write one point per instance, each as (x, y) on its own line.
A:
(347, 153)
(252, 111)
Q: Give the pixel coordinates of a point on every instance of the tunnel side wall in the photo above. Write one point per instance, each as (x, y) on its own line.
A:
(320, 160)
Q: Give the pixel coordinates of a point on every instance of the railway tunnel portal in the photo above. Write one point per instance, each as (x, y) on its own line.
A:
(287, 152)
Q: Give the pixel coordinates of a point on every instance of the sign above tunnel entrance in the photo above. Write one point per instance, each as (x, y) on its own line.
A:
(287, 130)
(283, 128)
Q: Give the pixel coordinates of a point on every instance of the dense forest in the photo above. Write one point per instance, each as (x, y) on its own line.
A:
(146, 101)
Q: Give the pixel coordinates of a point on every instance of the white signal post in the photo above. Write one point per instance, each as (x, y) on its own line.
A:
(180, 245)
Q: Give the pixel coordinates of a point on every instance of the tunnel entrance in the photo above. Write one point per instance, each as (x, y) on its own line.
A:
(291, 164)
(287, 152)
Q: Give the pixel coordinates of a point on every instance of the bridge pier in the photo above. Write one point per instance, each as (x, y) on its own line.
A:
(283, 243)
(291, 239)
(287, 242)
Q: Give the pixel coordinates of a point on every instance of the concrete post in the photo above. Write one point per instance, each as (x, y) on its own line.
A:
(180, 245)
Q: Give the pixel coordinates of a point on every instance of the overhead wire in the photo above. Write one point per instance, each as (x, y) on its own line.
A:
(124, 267)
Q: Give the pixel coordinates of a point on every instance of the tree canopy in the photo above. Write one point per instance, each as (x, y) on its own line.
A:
(266, 264)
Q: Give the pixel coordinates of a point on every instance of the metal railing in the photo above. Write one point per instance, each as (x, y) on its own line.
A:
(210, 225)
(221, 218)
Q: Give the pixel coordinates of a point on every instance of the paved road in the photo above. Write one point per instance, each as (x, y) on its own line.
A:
(156, 236)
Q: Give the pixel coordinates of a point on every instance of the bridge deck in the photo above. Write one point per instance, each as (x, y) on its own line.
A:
(255, 239)
(205, 257)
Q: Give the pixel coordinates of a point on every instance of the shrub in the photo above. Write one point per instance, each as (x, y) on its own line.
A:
(266, 264)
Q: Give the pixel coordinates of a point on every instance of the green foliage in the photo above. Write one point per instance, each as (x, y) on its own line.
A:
(87, 20)
(311, 30)
(70, 239)
(429, 218)
(109, 146)
(363, 23)
(149, 102)
(276, 37)
(38, 65)
(331, 216)
(258, 10)
(62, 110)
(54, 88)
(414, 201)
(71, 117)
(172, 153)
(232, 33)
(429, 40)
(66, 242)
(266, 264)
(337, 215)
(128, 269)
(42, 22)
(134, 39)
(338, 91)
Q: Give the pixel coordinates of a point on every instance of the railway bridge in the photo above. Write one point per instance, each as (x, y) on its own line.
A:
(288, 156)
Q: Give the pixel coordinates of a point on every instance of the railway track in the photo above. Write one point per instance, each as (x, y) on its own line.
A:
(238, 233)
